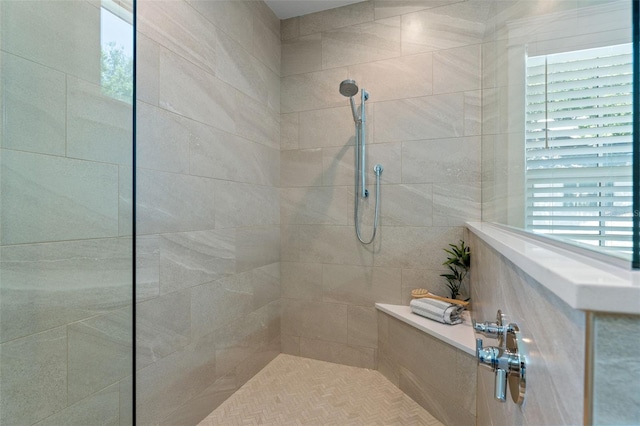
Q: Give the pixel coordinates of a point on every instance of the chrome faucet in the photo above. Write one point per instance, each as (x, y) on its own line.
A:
(507, 359)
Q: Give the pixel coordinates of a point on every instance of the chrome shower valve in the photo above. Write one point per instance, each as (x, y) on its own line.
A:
(507, 360)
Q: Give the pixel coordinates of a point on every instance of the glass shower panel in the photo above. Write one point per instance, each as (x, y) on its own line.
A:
(66, 257)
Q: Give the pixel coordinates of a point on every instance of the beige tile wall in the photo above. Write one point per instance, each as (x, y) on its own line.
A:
(422, 125)
(65, 250)
(555, 336)
(616, 369)
(208, 203)
(436, 375)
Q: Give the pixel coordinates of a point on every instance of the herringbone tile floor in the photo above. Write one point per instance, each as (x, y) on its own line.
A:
(301, 391)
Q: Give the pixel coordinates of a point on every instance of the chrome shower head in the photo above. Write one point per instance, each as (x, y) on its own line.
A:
(348, 88)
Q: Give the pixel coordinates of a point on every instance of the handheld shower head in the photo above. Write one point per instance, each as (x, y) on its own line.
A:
(348, 88)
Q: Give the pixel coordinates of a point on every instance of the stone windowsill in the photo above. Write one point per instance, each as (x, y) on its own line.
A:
(460, 336)
(582, 282)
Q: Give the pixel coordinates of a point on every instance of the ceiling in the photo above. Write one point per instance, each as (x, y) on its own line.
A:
(290, 8)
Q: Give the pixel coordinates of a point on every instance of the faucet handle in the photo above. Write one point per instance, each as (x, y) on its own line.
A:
(488, 328)
(500, 385)
(479, 344)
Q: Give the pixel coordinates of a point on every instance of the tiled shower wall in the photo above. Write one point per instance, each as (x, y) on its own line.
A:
(421, 67)
(66, 255)
(555, 336)
(616, 367)
(208, 311)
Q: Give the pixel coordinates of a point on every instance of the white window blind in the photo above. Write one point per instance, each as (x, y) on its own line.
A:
(579, 146)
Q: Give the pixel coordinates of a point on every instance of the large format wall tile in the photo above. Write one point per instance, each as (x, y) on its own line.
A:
(256, 247)
(408, 247)
(301, 168)
(259, 122)
(101, 408)
(554, 397)
(289, 28)
(388, 8)
(212, 224)
(301, 280)
(147, 267)
(457, 70)
(333, 244)
(357, 356)
(423, 126)
(189, 372)
(313, 206)
(357, 44)
(147, 69)
(429, 279)
(63, 35)
(404, 205)
(436, 375)
(232, 17)
(215, 304)
(429, 117)
(266, 45)
(266, 284)
(240, 69)
(200, 406)
(315, 320)
(34, 106)
(172, 203)
(456, 203)
(289, 131)
(289, 237)
(163, 326)
(327, 127)
(444, 27)
(48, 198)
(397, 78)
(362, 327)
(163, 142)
(313, 90)
(221, 155)
(360, 285)
(194, 93)
(302, 54)
(98, 127)
(431, 161)
(473, 113)
(52, 284)
(192, 258)
(353, 14)
(240, 204)
(338, 165)
(34, 377)
(615, 362)
(99, 353)
(239, 340)
(179, 28)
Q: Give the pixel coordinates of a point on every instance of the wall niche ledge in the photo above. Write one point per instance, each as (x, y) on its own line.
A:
(583, 282)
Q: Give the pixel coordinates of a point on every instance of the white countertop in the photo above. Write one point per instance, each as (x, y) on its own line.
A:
(582, 282)
(460, 336)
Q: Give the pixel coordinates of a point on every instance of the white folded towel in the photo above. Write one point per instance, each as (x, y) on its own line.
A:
(437, 310)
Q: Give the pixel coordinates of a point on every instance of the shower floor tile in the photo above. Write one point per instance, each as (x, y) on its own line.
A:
(301, 391)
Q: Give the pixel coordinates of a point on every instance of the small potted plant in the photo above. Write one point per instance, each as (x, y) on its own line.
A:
(458, 262)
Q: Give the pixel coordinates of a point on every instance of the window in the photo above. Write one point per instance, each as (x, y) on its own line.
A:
(579, 146)
(116, 39)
